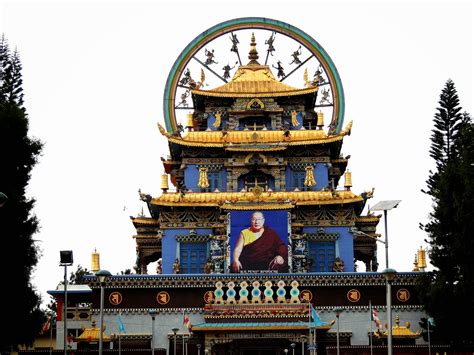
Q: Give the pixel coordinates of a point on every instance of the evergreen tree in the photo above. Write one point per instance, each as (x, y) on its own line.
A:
(19, 253)
(451, 223)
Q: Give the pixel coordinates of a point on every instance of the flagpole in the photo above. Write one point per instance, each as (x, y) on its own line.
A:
(429, 338)
(183, 331)
(51, 336)
(370, 311)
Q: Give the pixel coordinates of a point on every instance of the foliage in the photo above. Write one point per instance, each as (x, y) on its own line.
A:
(19, 253)
(77, 277)
(451, 223)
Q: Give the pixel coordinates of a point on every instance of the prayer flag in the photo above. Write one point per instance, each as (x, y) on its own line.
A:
(121, 325)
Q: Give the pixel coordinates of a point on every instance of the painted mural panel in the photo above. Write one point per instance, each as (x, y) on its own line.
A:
(259, 241)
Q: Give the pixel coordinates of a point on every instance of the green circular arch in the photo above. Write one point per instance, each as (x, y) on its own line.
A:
(248, 23)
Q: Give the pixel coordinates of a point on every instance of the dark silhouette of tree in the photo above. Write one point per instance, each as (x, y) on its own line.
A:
(451, 224)
(18, 224)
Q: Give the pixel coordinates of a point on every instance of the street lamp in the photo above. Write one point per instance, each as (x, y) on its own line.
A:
(293, 348)
(153, 313)
(102, 275)
(3, 199)
(65, 259)
(338, 311)
(199, 348)
(389, 275)
(286, 351)
(303, 340)
(175, 330)
(385, 206)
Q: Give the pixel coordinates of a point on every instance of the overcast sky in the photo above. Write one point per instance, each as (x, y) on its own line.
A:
(94, 75)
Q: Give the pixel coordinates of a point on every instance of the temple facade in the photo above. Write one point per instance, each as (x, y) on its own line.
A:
(252, 246)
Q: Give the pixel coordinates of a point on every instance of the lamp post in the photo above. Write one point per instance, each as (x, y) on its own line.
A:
(303, 340)
(175, 330)
(338, 312)
(152, 313)
(3, 199)
(385, 206)
(389, 275)
(199, 348)
(293, 348)
(286, 351)
(65, 259)
(102, 275)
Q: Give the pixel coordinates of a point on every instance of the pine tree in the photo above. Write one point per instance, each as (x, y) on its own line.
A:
(451, 222)
(19, 253)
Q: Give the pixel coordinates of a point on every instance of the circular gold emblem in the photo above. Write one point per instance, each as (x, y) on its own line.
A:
(115, 298)
(208, 296)
(403, 295)
(162, 297)
(353, 295)
(306, 296)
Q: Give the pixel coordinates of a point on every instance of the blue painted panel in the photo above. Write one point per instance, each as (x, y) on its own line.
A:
(344, 244)
(191, 177)
(321, 175)
(211, 120)
(170, 246)
(322, 255)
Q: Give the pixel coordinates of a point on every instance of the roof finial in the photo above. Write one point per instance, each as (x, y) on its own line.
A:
(253, 54)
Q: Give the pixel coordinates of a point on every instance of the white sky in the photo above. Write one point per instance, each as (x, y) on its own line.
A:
(94, 75)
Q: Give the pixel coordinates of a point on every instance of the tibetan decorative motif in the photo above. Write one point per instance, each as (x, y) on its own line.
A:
(326, 217)
(353, 295)
(163, 297)
(115, 298)
(403, 295)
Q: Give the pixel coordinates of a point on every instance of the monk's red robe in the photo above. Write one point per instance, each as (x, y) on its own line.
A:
(258, 255)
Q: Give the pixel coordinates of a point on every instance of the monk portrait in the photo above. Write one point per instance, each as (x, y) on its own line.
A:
(259, 248)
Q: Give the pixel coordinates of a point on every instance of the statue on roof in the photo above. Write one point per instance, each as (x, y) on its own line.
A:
(325, 97)
(269, 42)
(176, 266)
(235, 42)
(281, 72)
(296, 60)
(227, 68)
(210, 57)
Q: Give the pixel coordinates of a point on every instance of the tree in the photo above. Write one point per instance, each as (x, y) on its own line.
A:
(19, 254)
(451, 222)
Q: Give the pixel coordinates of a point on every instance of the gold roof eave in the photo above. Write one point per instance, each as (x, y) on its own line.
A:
(287, 198)
(254, 80)
(232, 140)
(252, 94)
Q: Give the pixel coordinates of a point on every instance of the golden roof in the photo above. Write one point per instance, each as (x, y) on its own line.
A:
(92, 334)
(226, 199)
(399, 331)
(245, 139)
(254, 80)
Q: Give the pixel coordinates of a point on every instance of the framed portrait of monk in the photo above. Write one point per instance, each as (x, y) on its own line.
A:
(259, 241)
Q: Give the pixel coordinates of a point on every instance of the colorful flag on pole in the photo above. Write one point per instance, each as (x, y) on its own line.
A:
(121, 325)
(376, 319)
(46, 325)
(186, 322)
(315, 316)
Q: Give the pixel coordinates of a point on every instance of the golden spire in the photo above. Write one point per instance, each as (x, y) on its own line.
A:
(421, 259)
(320, 121)
(164, 183)
(203, 181)
(348, 180)
(95, 261)
(253, 54)
(309, 180)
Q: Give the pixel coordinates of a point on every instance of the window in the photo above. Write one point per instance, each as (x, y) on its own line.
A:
(297, 179)
(192, 258)
(214, 181)
(322, 255)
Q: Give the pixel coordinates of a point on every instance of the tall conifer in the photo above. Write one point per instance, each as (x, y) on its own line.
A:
(451, 222)
(21, 314)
